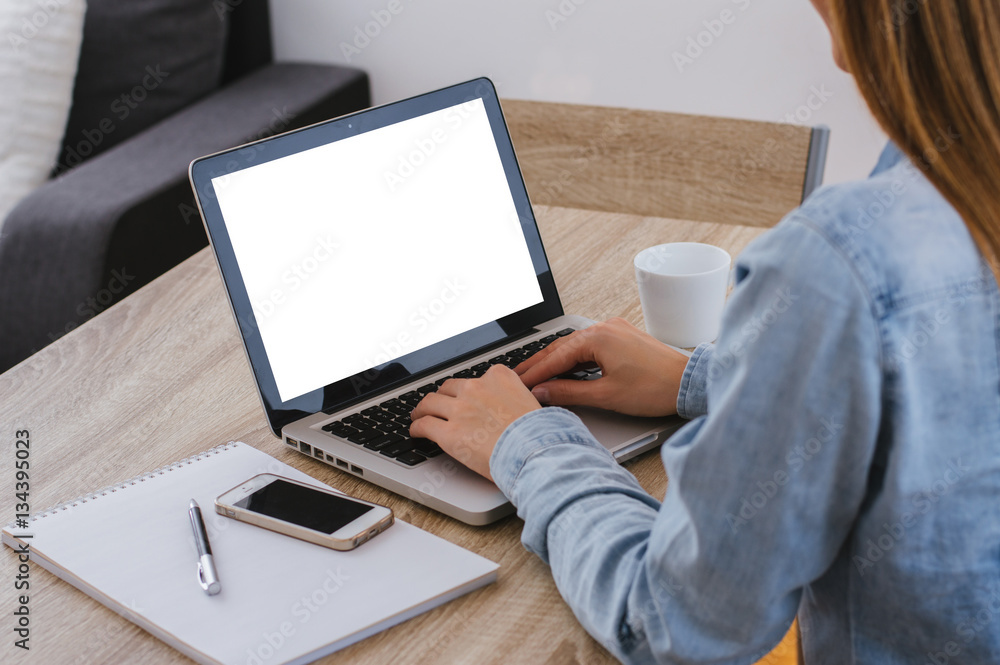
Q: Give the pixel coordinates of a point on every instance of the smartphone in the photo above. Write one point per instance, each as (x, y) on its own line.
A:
(304, 511)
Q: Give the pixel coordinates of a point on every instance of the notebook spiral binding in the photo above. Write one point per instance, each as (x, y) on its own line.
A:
(104, 491)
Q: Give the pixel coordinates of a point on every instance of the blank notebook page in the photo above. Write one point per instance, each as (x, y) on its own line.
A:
(283, 600)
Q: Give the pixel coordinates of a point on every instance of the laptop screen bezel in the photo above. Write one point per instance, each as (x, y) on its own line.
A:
(366, 385)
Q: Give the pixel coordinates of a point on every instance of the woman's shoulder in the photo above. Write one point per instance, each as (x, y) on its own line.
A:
(895, 202)
(894, 232)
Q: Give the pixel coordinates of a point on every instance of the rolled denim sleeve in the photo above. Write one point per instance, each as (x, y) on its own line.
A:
(692, 398)
(765, 482)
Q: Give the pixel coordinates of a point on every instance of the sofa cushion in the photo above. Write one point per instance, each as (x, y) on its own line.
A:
(132, 207)
(37, 65)
(141, 61)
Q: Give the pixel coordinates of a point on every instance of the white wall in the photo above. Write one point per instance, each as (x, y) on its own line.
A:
(767, 61)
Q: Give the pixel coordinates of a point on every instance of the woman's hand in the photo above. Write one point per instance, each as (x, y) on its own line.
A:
(467, 416)
(641, 376)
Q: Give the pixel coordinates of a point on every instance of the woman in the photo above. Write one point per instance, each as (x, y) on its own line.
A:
(842, 461)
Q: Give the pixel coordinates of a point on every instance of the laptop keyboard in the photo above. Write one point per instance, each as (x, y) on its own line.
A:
(385, 429)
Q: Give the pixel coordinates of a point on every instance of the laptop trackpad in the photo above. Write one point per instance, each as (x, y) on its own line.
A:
(627, 436)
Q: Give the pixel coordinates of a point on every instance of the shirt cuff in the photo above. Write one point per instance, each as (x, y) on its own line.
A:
(531, 433)
(692, 399)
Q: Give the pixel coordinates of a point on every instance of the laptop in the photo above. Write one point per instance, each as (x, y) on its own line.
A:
(367, 259)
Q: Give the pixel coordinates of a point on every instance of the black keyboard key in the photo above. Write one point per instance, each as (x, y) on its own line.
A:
(398, 428)
(373, 424)
(564, 332)
(398, 448)
(364, 436)
(413, 394)
(499, 360)
(400, 409)
(465, 374)
(411, 458)
(353, 418)
(381, 442)
(403, 420)
(429, 388)
(534, 347)
(440, 382)
(426, 447)
(370, 410)
(382, 417)
(579, 375)
(344, 431)
(390, 403)
(548, 339)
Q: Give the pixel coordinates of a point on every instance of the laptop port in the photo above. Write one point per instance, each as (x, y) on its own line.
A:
(358, 470)
(305, 447)
(329, 458)
(292, 442)
(318, 453)
(342, 464)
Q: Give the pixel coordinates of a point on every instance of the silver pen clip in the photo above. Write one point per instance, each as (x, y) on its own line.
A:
(207, 577)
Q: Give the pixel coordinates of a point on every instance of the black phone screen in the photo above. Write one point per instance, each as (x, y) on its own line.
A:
(306, 507)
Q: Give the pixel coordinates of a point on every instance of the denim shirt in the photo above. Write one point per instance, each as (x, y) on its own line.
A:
(841, 463)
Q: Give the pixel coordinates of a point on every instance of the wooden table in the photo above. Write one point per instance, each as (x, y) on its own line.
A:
(162, 376)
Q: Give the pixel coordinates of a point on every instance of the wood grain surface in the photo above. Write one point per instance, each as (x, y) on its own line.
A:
(661, 164)
(162, 375)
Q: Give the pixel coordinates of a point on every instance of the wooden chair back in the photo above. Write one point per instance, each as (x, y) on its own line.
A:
(664, 164)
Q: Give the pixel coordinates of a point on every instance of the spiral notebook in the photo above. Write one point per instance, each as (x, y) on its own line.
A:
(283, 600)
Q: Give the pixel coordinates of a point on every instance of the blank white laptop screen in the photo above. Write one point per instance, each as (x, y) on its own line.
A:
(364, 250)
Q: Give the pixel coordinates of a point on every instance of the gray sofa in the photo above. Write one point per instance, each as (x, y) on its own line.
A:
(160, 83)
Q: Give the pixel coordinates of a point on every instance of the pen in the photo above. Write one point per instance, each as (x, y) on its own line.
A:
(207, 577)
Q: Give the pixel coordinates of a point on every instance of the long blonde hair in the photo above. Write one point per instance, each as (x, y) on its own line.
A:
(930, 72)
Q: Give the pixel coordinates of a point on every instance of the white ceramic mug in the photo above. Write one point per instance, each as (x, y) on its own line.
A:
(682, 288)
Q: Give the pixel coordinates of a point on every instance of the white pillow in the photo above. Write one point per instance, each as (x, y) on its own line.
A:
(38, 59)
